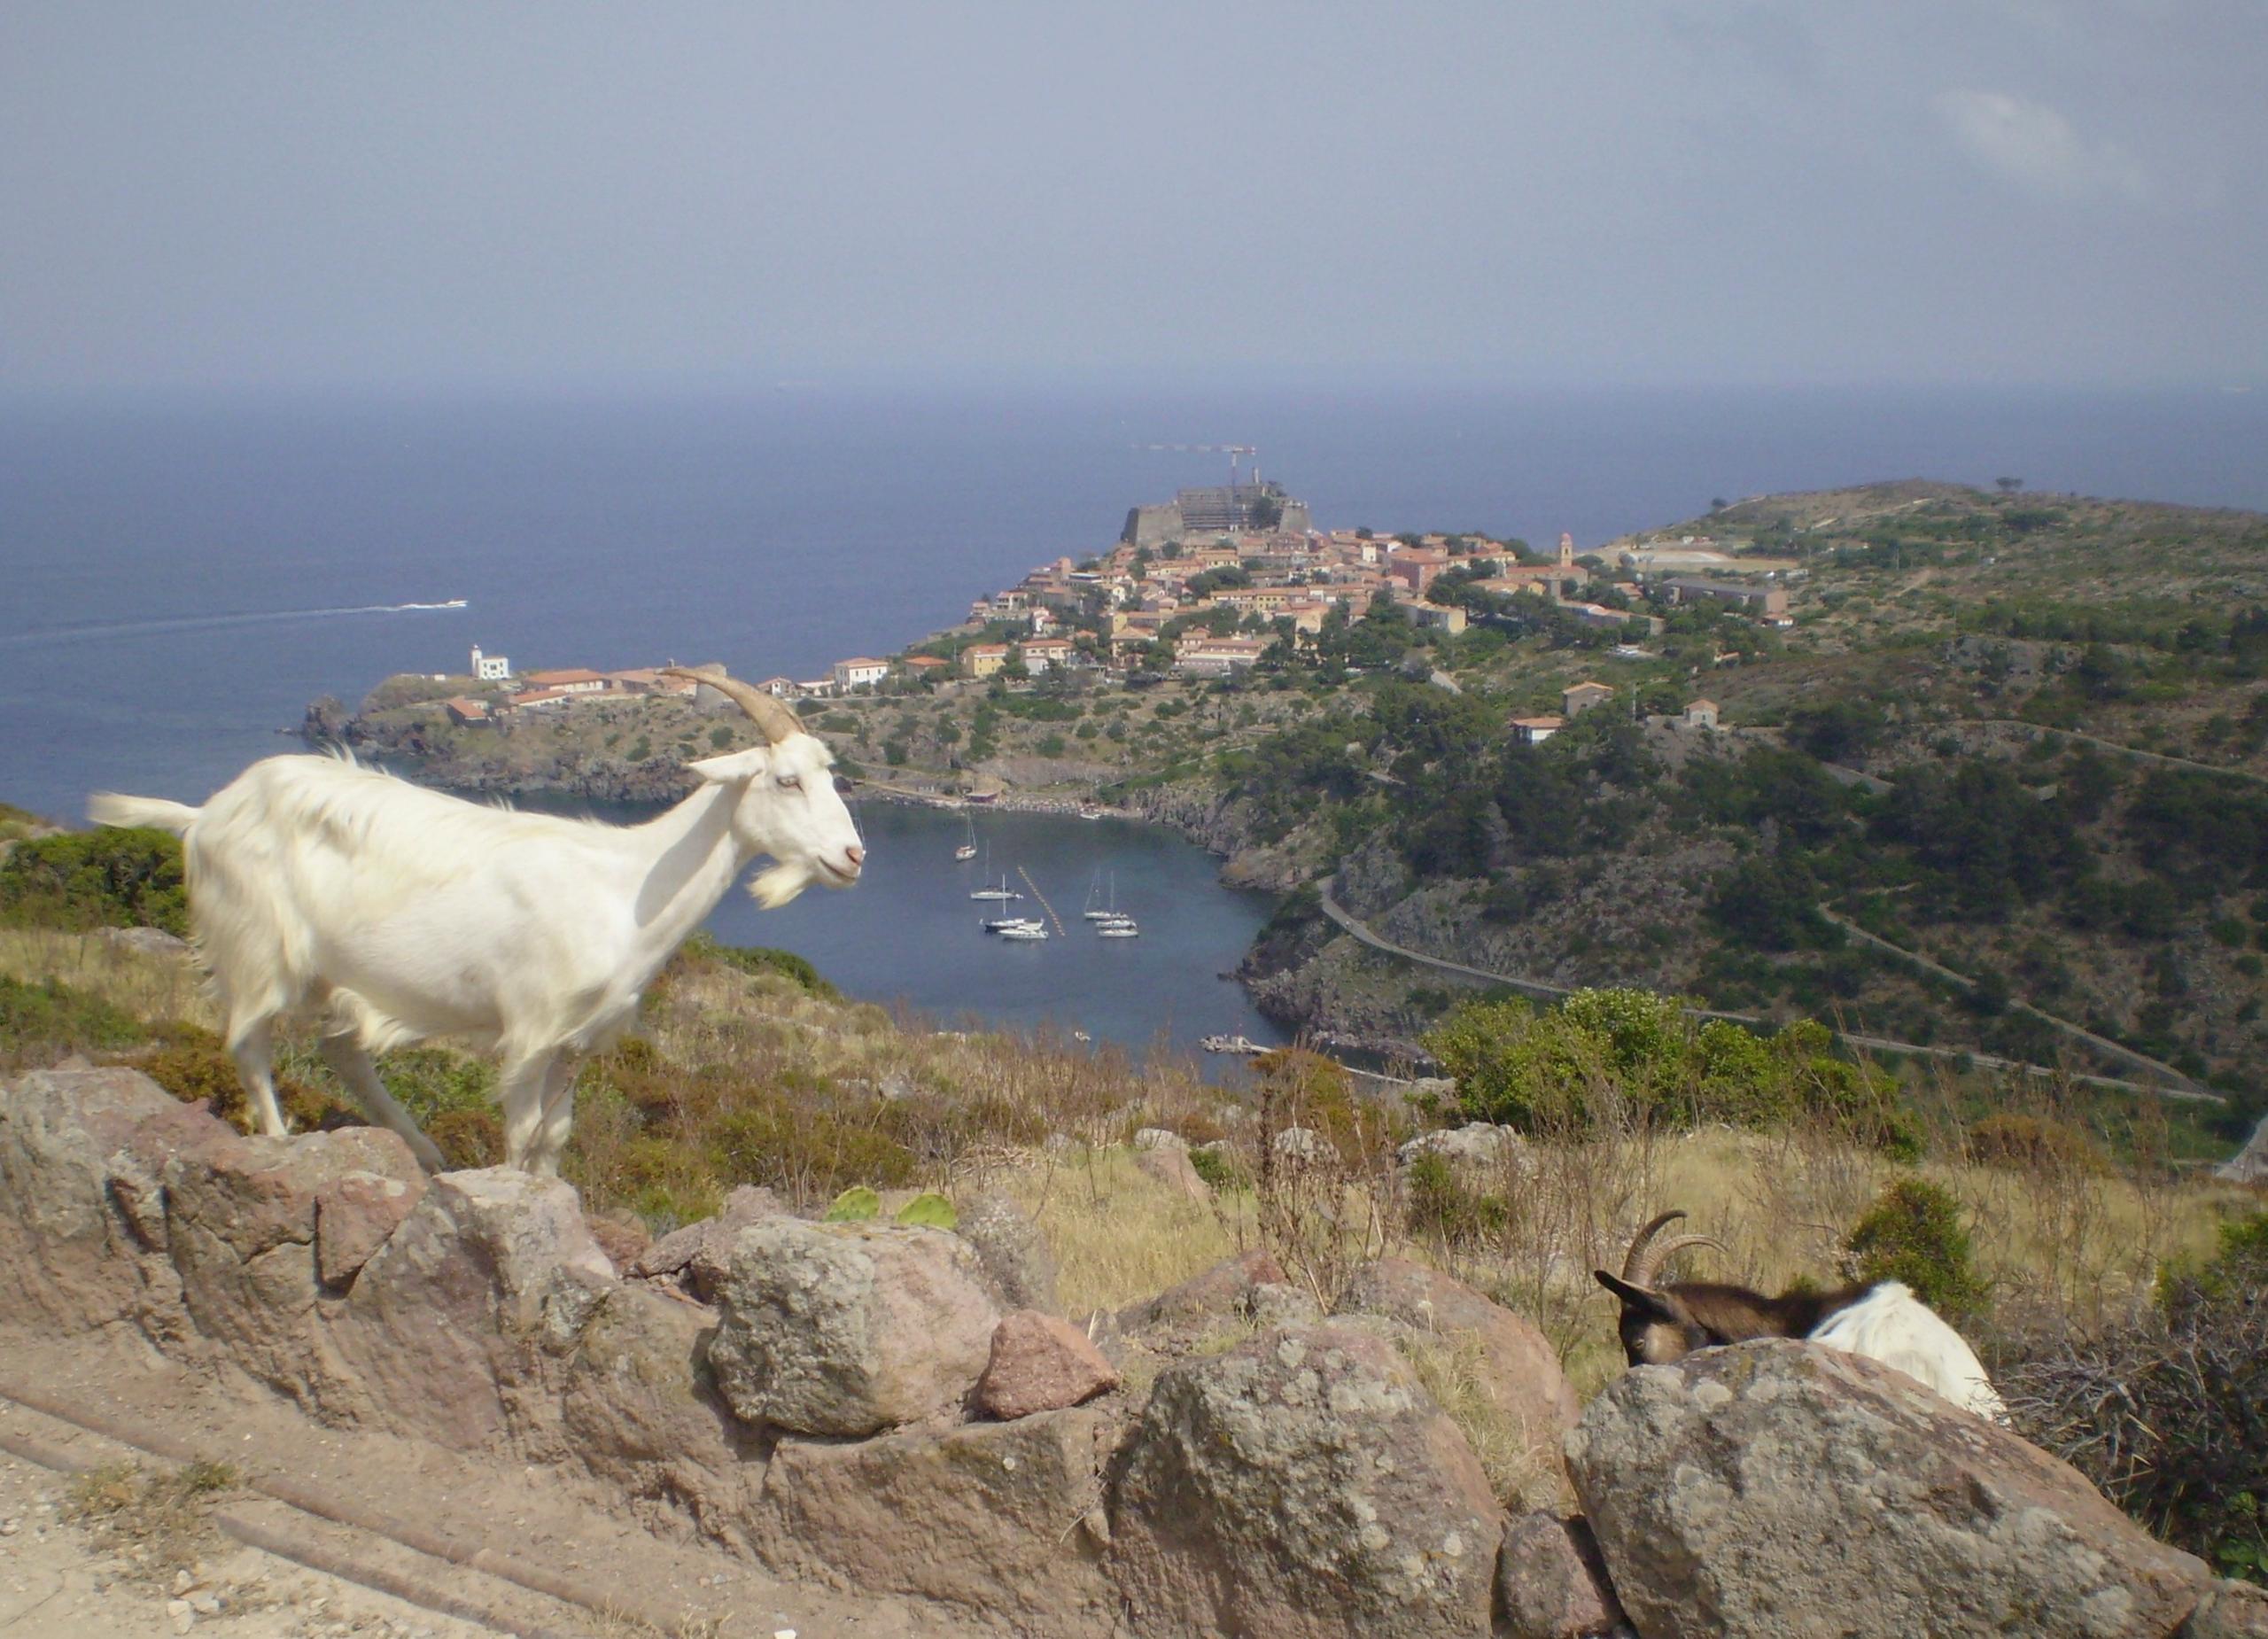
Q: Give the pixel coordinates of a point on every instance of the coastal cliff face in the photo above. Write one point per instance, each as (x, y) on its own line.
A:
(553, 760)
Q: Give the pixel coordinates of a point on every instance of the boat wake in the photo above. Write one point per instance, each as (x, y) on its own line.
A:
(95, 631)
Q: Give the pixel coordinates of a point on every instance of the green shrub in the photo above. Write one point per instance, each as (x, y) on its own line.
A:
(1441, 1204)
(1913, 1233)
(1219, 1168)
(108, 878)
(758, 959)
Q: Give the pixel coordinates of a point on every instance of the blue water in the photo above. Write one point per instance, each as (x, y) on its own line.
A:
(178, 579)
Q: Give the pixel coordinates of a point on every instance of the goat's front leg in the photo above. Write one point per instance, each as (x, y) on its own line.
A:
(521, 1092)
(558, 1114)
(352, 1065)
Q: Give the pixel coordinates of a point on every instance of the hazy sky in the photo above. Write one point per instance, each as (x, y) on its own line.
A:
(573, 195)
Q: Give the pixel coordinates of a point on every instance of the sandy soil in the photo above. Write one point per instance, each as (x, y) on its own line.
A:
(57, 1582)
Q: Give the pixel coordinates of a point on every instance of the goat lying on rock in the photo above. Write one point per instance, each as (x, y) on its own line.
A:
(1882, 1320)
(396, 913)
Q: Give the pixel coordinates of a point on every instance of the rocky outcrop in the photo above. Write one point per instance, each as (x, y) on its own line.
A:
(2249, 1165)
(1778, 1491)
(1016, 1257)
(855, 1409)
(849, 1328)
(1302, 1484)
(1000, 1519)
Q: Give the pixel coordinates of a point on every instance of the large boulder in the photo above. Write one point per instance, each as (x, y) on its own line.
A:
(639, 1408)
(1513, 1364)
(1302, 1484)
(82, 1213)
(241, 1220)
(1000, 1519)
(849, 1328)
(443, 1326)
(1774, 1489)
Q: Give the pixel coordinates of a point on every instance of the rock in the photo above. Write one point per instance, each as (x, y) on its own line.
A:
(145, 941)
(1221, 1293)
(1300, 1144)
(1775, 1489)
(698, 1252)
(2249, 1165)
(1514, 1362)
(641, 1411)
(241, 1223)
(1040, 1364)
(354, 1214)
(1478, 1146)
(83, 1216)
(983, 1517)
(849, 1328)
(444, 1322)
(1303, 1484)
(1159, 1138)
(1550, 1582)
(2230, 1611)
(1275, 1304)
(622, 1235)
(1173, 1168)
(1015, 1253)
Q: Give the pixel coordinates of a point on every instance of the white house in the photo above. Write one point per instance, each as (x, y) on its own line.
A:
(860, 672)
(489, 668)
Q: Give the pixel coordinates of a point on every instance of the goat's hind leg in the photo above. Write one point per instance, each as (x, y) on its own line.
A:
(344, 1055)
(521, 1091)
(252, 1043)
(558, 1116)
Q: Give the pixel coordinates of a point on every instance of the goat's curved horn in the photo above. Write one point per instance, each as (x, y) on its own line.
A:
(777, 721)
(1640, 1264)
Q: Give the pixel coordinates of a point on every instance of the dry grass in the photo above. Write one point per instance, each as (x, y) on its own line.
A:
(1523, 1472)
(1118, 1234)
(157, 1522)
(148, 987)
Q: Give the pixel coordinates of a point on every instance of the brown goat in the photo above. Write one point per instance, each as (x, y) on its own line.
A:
(1664, 1323)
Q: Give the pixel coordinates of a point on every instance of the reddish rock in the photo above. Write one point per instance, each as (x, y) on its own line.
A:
(1220, 1291)
(353, 1217)
(620, 1235)
(1040, 1364)
(698, 1254)
(1550, 1582)
(1173, 1168)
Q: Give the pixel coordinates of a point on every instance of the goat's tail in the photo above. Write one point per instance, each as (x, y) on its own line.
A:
(109, 808)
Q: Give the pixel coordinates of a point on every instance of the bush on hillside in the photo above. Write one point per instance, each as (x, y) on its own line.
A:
(2014, 1142)
(1913, 1233)
(109, 878)
(759, 959)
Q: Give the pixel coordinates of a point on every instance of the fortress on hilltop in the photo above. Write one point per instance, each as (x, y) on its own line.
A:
(1222, 509)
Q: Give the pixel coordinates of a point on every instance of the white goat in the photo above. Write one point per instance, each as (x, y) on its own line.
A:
(395, 912)
(1884, 1321)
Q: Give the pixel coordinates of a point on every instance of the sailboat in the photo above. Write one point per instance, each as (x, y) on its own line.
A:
(967, 849)
(1111, 922)
(1108, 914)
(1002, 892)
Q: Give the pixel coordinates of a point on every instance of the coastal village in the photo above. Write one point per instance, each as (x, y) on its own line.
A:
(1208, 585)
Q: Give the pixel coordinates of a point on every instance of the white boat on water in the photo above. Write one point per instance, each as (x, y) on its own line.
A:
(1104, 913)
(1024, 930)
(967, 849)
(1230, 1043)
(1118, 930)
(1002, 892)
(1001, 924)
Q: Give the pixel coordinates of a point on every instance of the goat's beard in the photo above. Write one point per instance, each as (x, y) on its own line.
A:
(774, 887)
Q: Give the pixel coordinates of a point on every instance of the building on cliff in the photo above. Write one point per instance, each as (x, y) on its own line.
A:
(1224, 509)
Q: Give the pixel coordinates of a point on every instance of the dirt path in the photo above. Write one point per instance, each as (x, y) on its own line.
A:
(57, 1582)
(520, 1539)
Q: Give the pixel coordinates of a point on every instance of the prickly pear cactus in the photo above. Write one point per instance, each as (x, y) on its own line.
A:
(929, 1210)
(855, 1205)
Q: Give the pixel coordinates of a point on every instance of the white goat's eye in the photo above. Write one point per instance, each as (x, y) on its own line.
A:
(790, 783)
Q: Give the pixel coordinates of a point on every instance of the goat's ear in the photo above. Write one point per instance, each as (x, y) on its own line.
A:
(1642, 1299)
(734, 768)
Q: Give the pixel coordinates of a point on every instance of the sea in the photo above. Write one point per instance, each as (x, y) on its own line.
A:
(179, 577)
